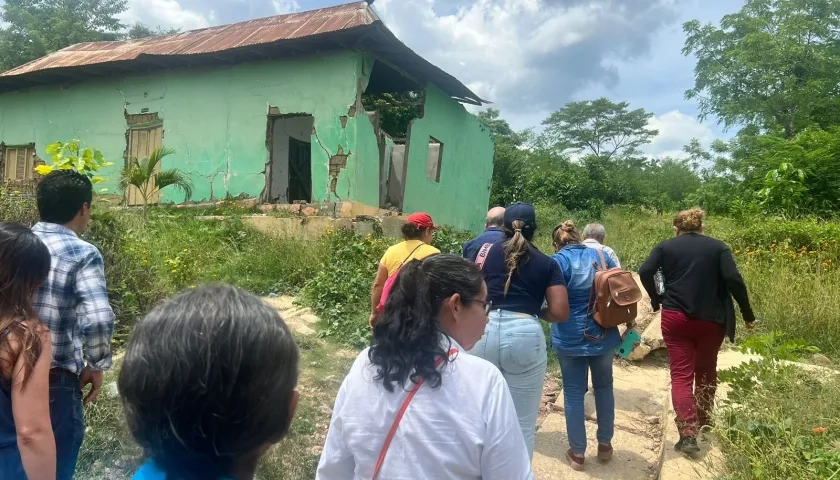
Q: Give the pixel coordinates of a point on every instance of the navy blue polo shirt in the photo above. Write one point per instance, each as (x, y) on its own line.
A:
(491, 235)
(528, 284)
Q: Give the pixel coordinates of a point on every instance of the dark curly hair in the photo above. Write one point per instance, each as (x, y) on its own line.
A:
(407, 340)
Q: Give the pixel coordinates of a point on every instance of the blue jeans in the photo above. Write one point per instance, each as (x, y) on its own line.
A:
(11, 466)
(575, 371)
(68, 421)
(515, 344)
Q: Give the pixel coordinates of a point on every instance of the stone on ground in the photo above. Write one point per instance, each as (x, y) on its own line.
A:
(300, 320)
(648, 324)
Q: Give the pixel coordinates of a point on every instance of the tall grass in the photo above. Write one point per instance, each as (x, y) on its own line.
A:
(779, 422)
(791, 268)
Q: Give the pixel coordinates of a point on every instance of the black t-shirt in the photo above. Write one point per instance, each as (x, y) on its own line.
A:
(528, 284)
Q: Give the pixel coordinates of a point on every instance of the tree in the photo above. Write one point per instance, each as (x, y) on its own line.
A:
(396, 110)
(774, 64)
(142, 175)
(600, 127)
(509, 160)
(73, 156)
(500, 128)
(36, 28)
(138, 31)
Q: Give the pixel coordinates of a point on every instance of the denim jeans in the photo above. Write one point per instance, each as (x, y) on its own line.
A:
(67, 421)
(515, 344)
(575, 371)
(11, 466)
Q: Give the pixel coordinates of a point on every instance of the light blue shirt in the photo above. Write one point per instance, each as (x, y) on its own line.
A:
(151, 471)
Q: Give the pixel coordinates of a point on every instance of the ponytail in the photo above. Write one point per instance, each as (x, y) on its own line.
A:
(516, 250)
(407, 339)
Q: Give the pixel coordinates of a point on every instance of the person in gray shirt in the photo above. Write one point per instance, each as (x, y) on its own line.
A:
(593, 237)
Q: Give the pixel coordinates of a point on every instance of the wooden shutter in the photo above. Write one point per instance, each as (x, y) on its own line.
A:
(20, 163)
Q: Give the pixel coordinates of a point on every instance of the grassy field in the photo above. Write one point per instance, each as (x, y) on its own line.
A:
(790, 269)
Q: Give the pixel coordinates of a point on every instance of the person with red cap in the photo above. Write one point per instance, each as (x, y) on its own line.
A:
(417, 244)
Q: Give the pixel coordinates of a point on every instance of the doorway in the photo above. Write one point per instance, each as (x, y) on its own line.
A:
(290, 172)
(144, 136)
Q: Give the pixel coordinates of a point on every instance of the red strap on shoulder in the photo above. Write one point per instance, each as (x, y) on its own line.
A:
(399, 417)
(482, 255)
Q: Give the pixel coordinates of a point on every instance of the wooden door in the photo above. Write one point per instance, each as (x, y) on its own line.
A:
(144, 137)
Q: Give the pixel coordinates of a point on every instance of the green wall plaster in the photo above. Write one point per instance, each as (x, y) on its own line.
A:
(462, 196)
(215, 118)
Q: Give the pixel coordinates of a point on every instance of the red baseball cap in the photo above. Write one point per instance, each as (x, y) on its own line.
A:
(422, 220)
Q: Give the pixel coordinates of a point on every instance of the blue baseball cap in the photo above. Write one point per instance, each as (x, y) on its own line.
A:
(524, 212)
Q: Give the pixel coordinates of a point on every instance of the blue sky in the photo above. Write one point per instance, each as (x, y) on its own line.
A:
(527, 56)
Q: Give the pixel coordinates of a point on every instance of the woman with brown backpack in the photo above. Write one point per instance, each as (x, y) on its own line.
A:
(583, 345)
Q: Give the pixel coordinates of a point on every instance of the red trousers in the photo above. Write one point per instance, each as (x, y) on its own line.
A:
(693, 347)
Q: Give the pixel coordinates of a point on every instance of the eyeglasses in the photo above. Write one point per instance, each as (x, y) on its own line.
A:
(488, 304)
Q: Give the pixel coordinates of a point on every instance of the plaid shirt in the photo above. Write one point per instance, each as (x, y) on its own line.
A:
(73, 302)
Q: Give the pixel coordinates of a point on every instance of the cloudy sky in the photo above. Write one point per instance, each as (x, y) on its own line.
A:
(529, 57)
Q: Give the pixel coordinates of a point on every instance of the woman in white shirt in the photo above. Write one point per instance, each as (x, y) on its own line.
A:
(461, 422)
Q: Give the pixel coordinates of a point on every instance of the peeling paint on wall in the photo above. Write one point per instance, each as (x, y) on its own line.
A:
(216, 119)
(338, 162)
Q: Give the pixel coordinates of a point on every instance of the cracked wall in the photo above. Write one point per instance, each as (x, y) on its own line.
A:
(461, 197)
(215, 118)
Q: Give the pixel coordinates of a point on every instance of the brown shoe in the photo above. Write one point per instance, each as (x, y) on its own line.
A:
(575, 461)
(605, 452)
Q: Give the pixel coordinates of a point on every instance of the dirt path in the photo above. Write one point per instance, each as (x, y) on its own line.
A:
(640, 393)
(300, 319)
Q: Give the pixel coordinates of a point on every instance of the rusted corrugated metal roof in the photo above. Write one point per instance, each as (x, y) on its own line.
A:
(356, 24)
(209, 40)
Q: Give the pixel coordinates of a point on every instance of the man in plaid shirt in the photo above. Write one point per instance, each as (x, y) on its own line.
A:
(73, 303)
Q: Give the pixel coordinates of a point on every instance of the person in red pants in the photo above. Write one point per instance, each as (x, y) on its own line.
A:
(698, 280)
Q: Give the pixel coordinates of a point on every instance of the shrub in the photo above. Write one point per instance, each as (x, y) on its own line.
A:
(778, 420)
(17, 203)
(450, 240)
(340, 290)
(133, 287)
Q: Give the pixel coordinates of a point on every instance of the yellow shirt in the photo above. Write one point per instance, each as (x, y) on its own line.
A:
(400, 253)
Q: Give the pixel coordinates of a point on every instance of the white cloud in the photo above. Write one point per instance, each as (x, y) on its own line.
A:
(528, 55)
(165, 13)
(676, 130)
(285, 6)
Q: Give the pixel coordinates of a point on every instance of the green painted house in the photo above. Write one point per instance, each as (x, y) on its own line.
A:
(271, 108)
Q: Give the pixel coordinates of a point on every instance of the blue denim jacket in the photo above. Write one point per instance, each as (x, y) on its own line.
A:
(568, 338)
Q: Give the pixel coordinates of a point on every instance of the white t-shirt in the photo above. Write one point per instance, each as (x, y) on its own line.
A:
(466, 429)
(592, 243)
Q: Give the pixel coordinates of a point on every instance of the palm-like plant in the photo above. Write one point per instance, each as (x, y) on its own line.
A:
(141, 174)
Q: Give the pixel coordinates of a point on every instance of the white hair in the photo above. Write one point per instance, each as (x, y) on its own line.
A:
(594, 230)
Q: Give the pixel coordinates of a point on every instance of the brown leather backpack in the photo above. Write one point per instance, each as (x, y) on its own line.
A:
(616, 295)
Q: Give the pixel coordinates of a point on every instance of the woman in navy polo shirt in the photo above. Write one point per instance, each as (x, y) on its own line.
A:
(520, 279)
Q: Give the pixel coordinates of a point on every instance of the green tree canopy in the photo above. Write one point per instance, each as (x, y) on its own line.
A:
(599, 127)
(139, 30)
(36, 28)
(774, 64)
